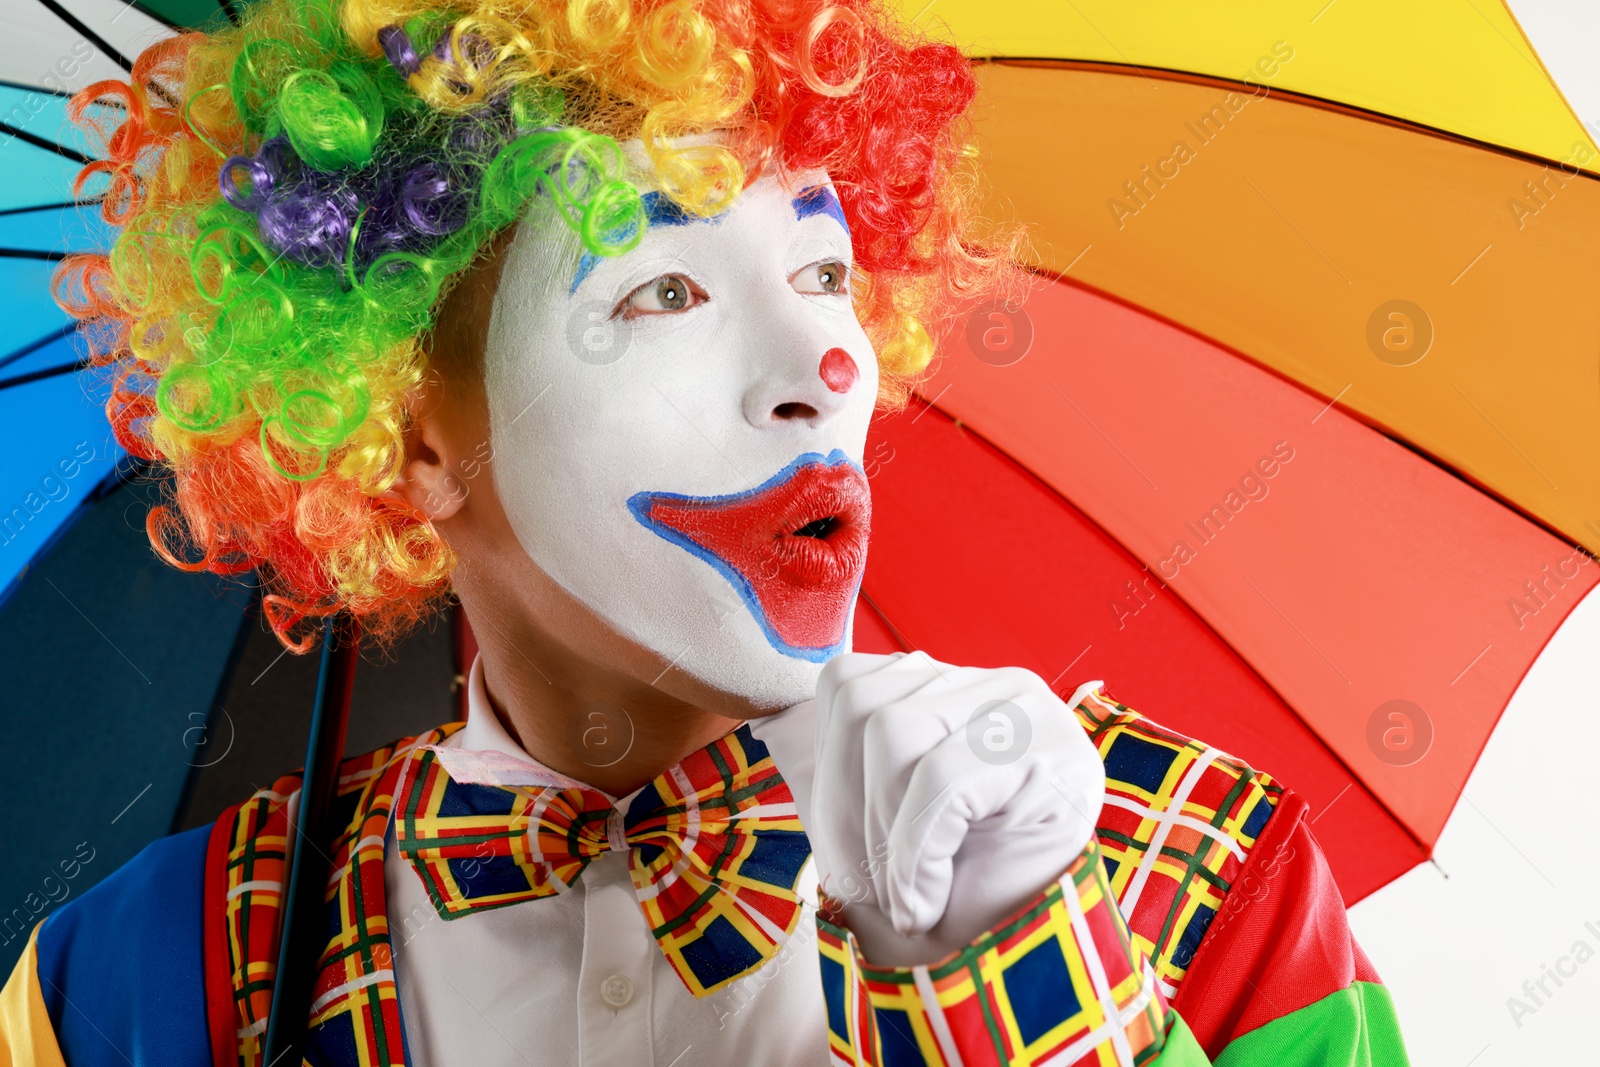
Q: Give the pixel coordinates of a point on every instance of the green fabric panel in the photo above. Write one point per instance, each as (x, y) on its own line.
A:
(1181, 1049)
(1355, 1027)
(195, 14)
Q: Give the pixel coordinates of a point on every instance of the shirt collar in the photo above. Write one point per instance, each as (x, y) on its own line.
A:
(479, 750)
(484, 731)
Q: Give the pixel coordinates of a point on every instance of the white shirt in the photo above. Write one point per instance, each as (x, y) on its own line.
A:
(577, 978)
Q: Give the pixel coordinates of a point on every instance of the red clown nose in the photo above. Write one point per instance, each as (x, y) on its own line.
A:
(838, 370)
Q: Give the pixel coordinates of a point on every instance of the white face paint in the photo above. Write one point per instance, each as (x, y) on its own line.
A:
(678, 431)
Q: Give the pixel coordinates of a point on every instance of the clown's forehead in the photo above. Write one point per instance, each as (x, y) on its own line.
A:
(810, 194)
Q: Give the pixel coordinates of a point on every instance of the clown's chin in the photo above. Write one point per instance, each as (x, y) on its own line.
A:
(760, 675)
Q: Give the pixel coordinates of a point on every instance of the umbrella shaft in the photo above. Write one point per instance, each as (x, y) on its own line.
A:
(304, 927)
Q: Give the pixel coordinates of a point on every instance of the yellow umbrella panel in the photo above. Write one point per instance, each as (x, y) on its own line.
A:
(1463, 66)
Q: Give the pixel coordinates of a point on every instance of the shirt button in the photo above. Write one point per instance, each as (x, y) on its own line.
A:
(616, 990)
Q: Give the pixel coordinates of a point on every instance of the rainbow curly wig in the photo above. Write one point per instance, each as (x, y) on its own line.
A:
(296, 193)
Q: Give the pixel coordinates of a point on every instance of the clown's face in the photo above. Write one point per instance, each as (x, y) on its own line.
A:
(678, 431)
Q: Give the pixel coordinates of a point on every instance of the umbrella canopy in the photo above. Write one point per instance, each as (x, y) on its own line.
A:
(1304, 249)
(62, 446)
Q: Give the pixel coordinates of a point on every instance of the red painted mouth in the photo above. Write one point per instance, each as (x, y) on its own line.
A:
(794, 547)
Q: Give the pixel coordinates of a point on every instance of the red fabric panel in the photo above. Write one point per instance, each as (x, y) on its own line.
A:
(978, 562)
(221, 1019)
(1347, 570)
(1280, 942)
(872, 633)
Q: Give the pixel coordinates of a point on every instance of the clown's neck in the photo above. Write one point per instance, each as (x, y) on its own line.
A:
(588, 721)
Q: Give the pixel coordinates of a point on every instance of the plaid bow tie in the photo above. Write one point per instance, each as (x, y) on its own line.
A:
(714, 847)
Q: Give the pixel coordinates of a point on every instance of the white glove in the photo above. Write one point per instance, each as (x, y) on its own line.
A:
(945, 798)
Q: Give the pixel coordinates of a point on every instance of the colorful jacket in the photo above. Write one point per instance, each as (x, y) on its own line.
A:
(1202, 926)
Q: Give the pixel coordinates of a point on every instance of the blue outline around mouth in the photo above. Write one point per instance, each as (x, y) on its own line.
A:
(639, 504)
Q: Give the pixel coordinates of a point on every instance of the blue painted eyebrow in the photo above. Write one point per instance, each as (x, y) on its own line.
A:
(658, 211)
(820, 200)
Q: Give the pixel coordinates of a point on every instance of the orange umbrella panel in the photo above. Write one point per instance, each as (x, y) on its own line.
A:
(1441, 291)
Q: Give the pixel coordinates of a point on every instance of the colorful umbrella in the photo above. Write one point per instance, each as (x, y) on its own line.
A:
(1291, 413)
(1292, 444)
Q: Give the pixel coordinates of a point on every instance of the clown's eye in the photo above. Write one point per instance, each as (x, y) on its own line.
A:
(829, 276)
(670, 292)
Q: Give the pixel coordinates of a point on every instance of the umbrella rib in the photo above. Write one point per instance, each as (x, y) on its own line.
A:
(105, 102)
(1294, 96)
(49, 207)
(94, 38)
(33, 253)
(25, 87)
(29, 349)
(45, 143)
(893, 629)
(60, 93)
(38, 375)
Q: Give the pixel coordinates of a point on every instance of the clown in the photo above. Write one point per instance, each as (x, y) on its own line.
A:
(580, 312)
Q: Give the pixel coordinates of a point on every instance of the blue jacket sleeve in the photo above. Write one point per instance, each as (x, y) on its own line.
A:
(121, 968)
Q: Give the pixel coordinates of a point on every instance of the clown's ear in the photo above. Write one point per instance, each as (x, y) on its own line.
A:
(431, 480)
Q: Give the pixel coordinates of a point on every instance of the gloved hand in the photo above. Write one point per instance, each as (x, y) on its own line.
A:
(944, 798)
